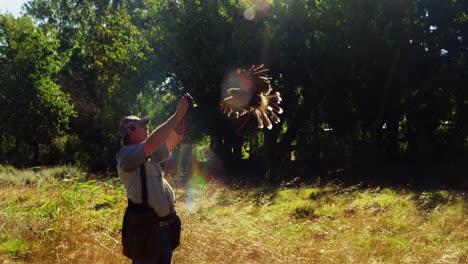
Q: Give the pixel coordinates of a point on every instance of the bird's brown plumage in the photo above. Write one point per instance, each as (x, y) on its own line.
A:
(254, 96)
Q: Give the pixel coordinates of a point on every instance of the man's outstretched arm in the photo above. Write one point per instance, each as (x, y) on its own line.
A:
(162, 132)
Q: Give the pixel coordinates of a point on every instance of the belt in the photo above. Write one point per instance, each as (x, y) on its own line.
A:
(166, 220)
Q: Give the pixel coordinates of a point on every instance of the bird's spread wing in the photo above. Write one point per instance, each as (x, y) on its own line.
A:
(254, 96)
(237, 103)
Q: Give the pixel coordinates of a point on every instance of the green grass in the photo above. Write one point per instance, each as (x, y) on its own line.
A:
(68, 218)
(13, 248)
(38, 175)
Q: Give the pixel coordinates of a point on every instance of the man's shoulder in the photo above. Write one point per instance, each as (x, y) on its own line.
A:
(130, 148)
(130, 155)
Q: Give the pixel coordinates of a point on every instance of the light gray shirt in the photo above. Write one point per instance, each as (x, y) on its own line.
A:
(160, 194)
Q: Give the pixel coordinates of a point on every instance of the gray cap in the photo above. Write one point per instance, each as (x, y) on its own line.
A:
(130, 121)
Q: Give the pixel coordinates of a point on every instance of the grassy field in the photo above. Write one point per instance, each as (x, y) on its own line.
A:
(58, 215)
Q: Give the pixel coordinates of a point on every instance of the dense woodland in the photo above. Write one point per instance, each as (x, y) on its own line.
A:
(373, 90)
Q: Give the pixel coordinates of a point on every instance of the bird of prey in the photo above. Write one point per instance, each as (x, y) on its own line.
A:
(254, 96)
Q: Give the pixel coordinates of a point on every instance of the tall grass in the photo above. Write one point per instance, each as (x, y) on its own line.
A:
(63, 218)
(38, 175)
(328, 225)
(71, 219)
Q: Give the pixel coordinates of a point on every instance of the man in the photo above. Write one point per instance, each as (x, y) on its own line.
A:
(139, 147)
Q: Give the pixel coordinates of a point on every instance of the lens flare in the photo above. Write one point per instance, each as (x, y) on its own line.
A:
(259, 9)
(249, 13)
(194, 170)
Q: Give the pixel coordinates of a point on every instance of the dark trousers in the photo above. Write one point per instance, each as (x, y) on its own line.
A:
(165, 252)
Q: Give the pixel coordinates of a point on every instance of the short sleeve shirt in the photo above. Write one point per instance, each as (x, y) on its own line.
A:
(160, 194)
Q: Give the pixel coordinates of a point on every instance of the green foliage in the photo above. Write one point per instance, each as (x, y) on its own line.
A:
(14, 248)
(431, 200)
(156, 103)
(33, 104)
(370, 81)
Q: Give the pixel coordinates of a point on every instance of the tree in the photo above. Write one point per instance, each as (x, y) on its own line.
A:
(34, 107)
(117, 52)
(103, 72)
(365, 84)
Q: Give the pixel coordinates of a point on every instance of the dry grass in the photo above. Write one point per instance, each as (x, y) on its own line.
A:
(78, 221)
(326, 225)
(60, 224)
